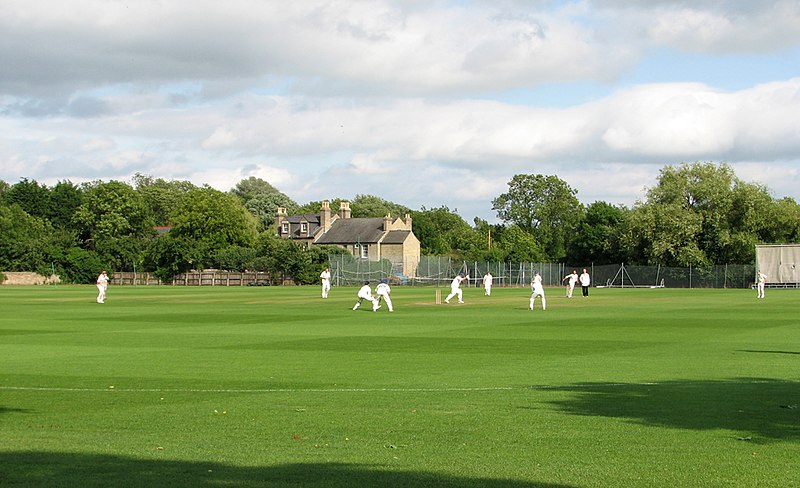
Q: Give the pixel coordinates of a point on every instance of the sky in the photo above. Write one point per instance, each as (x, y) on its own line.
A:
(426, 103)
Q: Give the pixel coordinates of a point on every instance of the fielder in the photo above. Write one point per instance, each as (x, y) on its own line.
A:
(102, 284)
(586, 280)
(455, 288)
(487, 284)
(537, 290)
(571, 279)
(383, 291)
(325, 276)
(761, 280)
(365, 293)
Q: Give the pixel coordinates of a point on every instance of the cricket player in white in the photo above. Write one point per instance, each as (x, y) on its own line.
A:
(537, 290)
(761, 280)
(571, 279)
(326, 282)
(586, 280)
(455, 288)
(365, 293)
(487, 284)
(383, 291)
(102, 284)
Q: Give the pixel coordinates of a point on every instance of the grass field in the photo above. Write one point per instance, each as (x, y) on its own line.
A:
(273, 386)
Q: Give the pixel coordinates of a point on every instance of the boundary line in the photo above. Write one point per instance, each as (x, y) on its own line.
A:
(596, 386)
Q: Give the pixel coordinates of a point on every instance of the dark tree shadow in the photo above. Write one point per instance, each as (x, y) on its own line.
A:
(50, 469)
(13, 410)
(766, 409)
(769, 352)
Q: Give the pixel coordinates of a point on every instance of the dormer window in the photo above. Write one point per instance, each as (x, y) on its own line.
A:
(284, 227)
(304, 228)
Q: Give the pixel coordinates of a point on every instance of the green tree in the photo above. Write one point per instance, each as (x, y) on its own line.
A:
(262, 200)
(784, 216)
(701, 213)
(520, 246)
(161, 196)
(24, 240)
(544, 206)
(63, 201)
(597, 239)
(212, 220)
(372, 206)
(30, 196)
(663, 234)
(443, 232)
(112, 210)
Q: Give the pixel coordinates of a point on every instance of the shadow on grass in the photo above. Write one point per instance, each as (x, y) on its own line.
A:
(769, 352)
(764, 409)
(13, 410)
(49, 469)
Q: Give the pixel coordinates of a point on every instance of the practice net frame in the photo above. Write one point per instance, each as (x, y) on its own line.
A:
(781, 264)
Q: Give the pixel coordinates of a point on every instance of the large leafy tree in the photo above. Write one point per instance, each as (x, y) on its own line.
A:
(597, 238)
(701, 213)
(161, 196)
(24, 240)
(212, 220)
(373, 206)
(30, 196)
(112, 210)
(520, 246)
(63, 201)
(545, 206)
(262, 200)
(443, 232)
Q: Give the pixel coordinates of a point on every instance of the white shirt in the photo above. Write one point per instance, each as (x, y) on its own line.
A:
(383, 289)
(573, 278)
(487, 280)
(762, 278)
(102, 279)
(457, 281)
(326, 276)
(536, 285)
(365, 292)
(585, 279)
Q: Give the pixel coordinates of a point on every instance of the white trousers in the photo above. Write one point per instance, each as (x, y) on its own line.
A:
(454, 292)
(375, 303)
(388, 301)
(326, 287)
(101, 293)
(533, 300)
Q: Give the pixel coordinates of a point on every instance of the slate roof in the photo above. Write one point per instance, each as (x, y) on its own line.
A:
(294, 224)
(349, 231)
(396, 237)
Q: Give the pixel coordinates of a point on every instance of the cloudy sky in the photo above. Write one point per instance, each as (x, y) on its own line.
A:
(422, 102)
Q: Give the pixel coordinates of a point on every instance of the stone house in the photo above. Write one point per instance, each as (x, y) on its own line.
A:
(366, 238)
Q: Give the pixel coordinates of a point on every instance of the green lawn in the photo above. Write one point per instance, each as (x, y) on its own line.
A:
(273, 386)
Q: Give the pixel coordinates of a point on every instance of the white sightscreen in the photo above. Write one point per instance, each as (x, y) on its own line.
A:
(780, 262)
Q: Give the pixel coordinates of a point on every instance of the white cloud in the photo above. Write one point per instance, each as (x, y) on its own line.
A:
(424, 103)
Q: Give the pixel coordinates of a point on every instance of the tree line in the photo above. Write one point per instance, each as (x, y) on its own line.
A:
(696, 214)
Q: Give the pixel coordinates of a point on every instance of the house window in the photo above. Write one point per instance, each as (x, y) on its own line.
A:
(284, 227)
(364, 251)
(303, 228)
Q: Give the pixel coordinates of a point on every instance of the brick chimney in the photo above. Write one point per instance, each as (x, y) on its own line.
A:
(387, 223)
(325, 216)
(407, 220)
(280, 216)
(344, 210)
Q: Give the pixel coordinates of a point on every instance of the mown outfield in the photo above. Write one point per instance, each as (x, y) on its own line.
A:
(272, 386)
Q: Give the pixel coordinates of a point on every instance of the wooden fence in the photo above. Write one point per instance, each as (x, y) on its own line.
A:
(197, 278)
